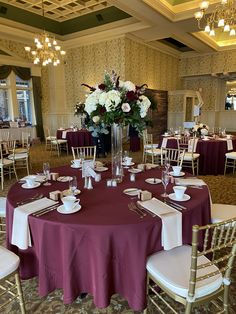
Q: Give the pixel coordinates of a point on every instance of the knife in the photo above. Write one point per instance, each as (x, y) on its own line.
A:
(176, 204)
(48, 208)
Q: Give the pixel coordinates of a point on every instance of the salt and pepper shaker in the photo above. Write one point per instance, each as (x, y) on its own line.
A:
(132, 177)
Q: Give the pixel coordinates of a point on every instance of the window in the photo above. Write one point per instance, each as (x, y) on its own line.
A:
(4, 100)
(230, 100)
(16, 100)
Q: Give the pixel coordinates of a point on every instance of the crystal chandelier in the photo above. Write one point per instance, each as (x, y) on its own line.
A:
(46, 50)
(224, 17)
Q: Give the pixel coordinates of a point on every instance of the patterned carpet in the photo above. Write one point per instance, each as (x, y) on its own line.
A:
(222, 190)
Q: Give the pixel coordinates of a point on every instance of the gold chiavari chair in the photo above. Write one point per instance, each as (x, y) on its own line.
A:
(6, 166)
(204, 271)
(9, 263)
(3, 201)
(150, 150)
(87, 152)
(230, 161)
(21, 160)
(191, 158)
(25, 142)
(48, 137)
(175, 156)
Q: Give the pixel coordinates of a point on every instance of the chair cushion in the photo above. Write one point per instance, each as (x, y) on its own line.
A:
(190, 156)
(155, 152)
(221, 212)
(150, 146)
(3, 202)
(6, 162)
(172, 269)
(9, 262)
(18, 156)
(51, 138)
(231, 155)
(59, 141)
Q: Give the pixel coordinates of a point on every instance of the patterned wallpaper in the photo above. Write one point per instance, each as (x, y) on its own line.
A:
(175, 103)
(15, 47)
(210, 63)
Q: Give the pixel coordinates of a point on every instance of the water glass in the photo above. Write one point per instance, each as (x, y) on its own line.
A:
(165, 178)
(167, 163)
(73, 185)
(46, 172)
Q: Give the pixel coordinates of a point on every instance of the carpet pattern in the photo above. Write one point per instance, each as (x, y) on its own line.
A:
(223, 190)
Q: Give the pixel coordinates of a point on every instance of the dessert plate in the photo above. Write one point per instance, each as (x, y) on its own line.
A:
(61, 209)
(132, 191)
(181, 174)
(153, 180)
(75, 167)
(64, 179)
(101, 169)
(26, 186)
(128, 165)
(135, 170)
(185, 198)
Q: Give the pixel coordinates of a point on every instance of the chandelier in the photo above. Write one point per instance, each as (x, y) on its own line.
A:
(46, 50)
(224, 17)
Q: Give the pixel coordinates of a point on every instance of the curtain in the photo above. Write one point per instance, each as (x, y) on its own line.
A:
(25, 74)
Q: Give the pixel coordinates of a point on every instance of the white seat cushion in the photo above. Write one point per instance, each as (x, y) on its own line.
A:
(150, 146)
(18, 156)
(6, 162)
(9, 262)
(231, 155)
(59, 142)
(172, 269)
(155, 151)
(221, 212)
(3, 202)
(51, 138)
(189, 156)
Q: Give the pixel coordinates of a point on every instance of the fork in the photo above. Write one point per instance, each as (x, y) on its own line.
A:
(130, 206)
(28, 200)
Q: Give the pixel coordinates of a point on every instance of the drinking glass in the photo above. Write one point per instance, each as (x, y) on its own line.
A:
(167, 163)
(73, 185)
(125, 155)
(46, 172)
(165, 178)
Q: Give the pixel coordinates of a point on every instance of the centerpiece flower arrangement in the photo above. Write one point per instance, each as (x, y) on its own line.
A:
(116, 101)
(201, 129)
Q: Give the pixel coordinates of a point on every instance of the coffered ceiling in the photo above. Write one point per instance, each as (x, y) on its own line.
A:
(165, 24)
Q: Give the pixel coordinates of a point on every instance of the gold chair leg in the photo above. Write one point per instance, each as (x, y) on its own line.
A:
(2, 177)
(188, 308)
(20, 294)
(226, 299)
(193, 167)
(225, 166)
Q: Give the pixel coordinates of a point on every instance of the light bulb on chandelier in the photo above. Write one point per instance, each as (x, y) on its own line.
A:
(46, 51)
(223, 16)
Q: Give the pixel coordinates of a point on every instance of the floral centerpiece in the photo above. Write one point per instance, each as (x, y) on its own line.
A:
(115, 103)
(201, 129)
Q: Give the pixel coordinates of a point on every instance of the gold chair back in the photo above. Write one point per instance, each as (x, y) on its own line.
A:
(87, 152)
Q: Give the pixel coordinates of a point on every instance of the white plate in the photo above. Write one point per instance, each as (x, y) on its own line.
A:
(153, 180)
(128, 165)
(64, 179)
(101, 169)
(185, 198)
(135, 170)
(62, 210)
(75, 167)
(132, 191)
(26, 186)
(181, 174)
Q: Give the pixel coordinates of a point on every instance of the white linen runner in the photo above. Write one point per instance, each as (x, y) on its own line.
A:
(171, 233)
(20, 229)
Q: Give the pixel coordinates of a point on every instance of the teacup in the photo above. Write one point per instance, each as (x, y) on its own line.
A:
(76, 163)
(127, 160)
(179, 191)
(166, 133)
(228, 136)
(176, 170)
(69, 202)
(30, 180)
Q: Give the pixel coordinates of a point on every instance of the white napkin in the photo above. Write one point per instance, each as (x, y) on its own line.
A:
(64, 134)
(164, 142)
(171, 233)
(192, 142)
(190, 181)
(229, 145)
(20, 229)
(39, 178)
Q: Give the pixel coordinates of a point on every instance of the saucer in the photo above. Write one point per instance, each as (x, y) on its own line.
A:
(62, 210)
(26, 186)
(75, 167)
(185, 198)
(135, 170)
(153, 180)
(68, 192)
(64, 179)
(101, 169)
(181, 174)
(132, 191)
(128, 165)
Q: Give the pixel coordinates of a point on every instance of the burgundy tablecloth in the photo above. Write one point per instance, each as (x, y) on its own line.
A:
(101, 249)
(77, 138)
(212, 154)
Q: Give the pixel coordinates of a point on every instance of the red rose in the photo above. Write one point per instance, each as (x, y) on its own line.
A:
(102, 86)
(131, 96)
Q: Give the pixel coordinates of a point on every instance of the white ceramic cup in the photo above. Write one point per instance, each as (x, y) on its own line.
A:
(128, 160)
(176, 170)
(30, 180)
(70, 202)
(179, 191)
(76, 163)
(228, 136)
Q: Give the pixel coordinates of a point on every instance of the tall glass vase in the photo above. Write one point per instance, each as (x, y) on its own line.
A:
(116, 152)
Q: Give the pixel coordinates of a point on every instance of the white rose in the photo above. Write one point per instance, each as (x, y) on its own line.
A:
(96, 119)
(121, 83)
(113, 100)
(125, 107)
(144, 104)
(129, 86)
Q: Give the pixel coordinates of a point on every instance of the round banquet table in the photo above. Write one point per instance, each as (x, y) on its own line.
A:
(76, 138)
(101, 249)
(212, 154)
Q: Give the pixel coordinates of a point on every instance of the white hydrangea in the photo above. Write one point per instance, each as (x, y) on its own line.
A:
(144, 104)
(129, 86)
(92, 101)
(125, 107)
(113, 100)
(103, 98)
